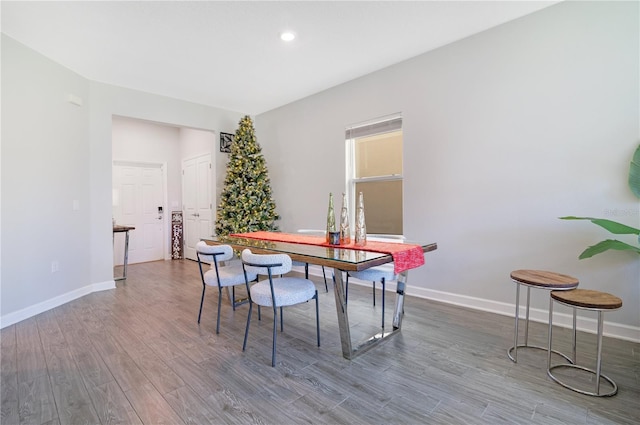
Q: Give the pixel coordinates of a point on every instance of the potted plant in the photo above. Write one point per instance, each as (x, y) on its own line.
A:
(613, 226)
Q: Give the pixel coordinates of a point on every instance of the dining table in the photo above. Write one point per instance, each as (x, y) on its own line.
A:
(342, 258)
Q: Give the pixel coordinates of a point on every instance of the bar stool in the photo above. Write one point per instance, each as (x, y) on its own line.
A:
(584, 299)
(540, 279)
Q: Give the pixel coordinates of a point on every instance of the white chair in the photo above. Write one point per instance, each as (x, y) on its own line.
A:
(306, 265)
(219, 275)
(382, 273)
(275, 292)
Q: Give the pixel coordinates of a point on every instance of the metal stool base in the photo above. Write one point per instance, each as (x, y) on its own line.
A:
(514, 357)
(613, 392)
(575, 304)
(567, 358)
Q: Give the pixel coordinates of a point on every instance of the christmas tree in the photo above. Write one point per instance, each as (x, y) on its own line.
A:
(246, 204)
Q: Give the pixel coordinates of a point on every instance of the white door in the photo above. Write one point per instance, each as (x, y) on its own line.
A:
(196, 202)
(138, 201)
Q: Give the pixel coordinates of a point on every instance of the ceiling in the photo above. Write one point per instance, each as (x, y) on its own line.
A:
(229, 54)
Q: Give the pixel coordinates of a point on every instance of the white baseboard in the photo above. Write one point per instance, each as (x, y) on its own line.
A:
(33, 310)
(103, 286)
(565, 320)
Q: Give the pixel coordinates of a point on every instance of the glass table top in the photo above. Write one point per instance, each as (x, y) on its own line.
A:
(344, 259)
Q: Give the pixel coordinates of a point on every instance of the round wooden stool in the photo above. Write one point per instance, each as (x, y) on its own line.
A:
(540, 279)
(584, 299)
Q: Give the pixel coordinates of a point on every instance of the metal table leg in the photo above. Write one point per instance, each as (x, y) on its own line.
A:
(126, 256)
(348, 350)
(399, 309)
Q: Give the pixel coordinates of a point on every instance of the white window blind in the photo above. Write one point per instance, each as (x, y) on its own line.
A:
(369, 129)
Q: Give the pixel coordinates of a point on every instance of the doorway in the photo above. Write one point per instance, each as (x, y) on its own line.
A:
(136, 141)
(138, 201)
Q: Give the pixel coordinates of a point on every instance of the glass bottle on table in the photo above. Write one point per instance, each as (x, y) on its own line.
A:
(345, 231)
(331, 219)
(361, 227)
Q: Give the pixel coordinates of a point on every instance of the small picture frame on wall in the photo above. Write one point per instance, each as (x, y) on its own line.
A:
(225, 142)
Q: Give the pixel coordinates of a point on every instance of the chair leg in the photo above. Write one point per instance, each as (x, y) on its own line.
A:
(219, 304)
(275, 327)
(306, 270)
(246, 331)
(317, 319)
(383, 290)
(324, 275)
(374, 293)
(201, 302)
(233, 297)
(281, 320)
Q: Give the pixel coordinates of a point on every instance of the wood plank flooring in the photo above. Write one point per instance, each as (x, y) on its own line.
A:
(136, 355)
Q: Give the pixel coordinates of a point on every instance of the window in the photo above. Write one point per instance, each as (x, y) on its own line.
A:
(374, 167)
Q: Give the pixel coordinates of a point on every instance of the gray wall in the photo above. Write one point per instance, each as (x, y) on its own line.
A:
(45, 168)
(55, 153)
(107, 101)
(503, 132)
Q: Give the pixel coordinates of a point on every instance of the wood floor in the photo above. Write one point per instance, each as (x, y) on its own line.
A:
(136, 355)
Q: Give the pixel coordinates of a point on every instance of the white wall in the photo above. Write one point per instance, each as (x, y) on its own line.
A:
(196, 142)
(55, 153)
(107, 101)
(503, 132)
(44, 171)
(144, 141)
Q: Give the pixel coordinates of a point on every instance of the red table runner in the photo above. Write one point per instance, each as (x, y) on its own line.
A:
(405, 256)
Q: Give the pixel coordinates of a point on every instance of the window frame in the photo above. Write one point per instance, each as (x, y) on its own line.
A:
(350, 154)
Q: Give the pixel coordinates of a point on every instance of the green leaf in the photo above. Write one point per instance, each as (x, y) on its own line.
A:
(603, 246)
(634, 173)
(612, 226)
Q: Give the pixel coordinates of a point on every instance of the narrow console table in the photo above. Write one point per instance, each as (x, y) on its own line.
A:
(123, 229)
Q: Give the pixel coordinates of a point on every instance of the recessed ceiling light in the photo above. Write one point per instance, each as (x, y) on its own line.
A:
(287, 36)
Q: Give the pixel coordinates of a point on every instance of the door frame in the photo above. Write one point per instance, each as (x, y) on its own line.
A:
(166, 255)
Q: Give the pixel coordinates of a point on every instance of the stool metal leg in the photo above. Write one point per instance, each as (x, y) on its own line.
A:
(599, 358)
(551, 333)
(575, 331)
(514, 358)
(596, 372)
(526, 323)
(514, 349)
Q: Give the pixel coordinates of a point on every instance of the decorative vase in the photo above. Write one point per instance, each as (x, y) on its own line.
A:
(361, 227)
(345, 231)
(331, 219)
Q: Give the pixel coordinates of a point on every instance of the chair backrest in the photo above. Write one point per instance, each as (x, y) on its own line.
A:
(213, 253)
(266, 264)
